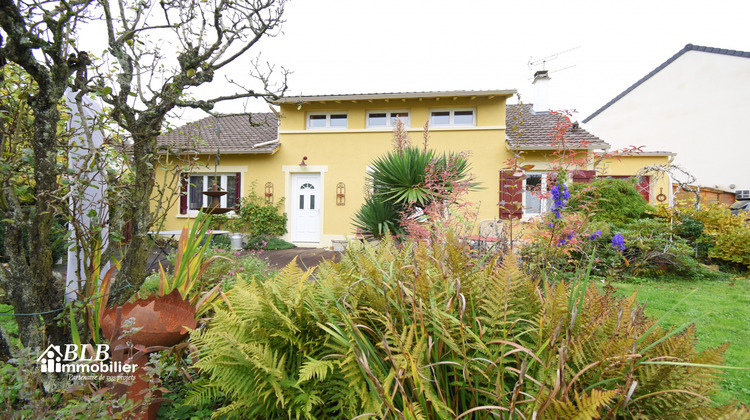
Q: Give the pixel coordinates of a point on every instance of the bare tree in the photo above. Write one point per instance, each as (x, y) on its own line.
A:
(36, 38)
(163, 52)
(159, 54)
(684, 179)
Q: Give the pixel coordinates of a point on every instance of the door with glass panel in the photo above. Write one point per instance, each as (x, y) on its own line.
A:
(306, 204)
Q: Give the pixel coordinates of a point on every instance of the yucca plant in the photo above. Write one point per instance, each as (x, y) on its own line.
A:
(406, 181)
(412, 331)
(376, 218)
(399, 176)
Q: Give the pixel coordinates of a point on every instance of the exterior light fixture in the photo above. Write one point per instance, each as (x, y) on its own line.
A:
(304, 158)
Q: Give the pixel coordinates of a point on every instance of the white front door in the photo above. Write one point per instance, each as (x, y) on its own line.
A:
(306, 204)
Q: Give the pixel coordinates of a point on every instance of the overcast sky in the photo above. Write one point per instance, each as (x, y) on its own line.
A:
(357, 46)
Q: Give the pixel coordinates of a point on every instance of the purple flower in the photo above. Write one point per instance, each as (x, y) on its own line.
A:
(618, 242)
(560, 195)
(596, 235)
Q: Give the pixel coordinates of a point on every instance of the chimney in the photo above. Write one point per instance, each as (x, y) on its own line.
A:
(541, 91)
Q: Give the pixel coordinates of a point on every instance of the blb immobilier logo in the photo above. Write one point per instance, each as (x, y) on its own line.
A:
(83, 362)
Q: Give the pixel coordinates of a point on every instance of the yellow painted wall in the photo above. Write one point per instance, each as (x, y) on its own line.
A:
(630, 165)
(343, 155)
(347, 153)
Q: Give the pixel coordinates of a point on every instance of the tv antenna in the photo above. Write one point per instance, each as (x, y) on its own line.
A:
(543, 61)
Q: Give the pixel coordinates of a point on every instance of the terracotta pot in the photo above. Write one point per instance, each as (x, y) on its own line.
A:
(163, 321)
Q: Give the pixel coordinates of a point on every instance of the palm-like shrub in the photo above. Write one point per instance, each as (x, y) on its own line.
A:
(417, 331)
(376, 218)
(406, 179)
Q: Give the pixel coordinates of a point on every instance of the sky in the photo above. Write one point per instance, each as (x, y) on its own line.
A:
(593, 49)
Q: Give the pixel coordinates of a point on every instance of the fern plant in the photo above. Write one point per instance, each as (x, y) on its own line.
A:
(412, 331)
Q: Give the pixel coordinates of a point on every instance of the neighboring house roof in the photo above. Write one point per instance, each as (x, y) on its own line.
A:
(394, 95)
(230, 134)
(688, 47)
(527, 130)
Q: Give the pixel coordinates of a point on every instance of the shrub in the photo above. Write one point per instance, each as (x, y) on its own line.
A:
(654, 249)
(221, 270)
(405, 182)
(264, 242)
(255, 217)
(726, 237)
(424, 331)
(376, 218)
(615, 201)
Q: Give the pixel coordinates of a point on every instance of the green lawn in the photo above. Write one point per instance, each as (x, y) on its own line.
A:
(721, 311)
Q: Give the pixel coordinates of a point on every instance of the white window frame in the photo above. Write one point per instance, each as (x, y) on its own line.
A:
(544, 205)
(452, 113)
(224, 179)
(388, 118)
(328, 120)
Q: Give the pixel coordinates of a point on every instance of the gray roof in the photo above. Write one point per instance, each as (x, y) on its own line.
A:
(231, 134)
(526, 130)
(688, 47)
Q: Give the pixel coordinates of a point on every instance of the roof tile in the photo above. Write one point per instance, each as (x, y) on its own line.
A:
(228, 133)
(528, 130)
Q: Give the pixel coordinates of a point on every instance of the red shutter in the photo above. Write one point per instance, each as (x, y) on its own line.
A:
(511, 194)
(237, 189)
(583, 176)
(183, 193)
(644, 187)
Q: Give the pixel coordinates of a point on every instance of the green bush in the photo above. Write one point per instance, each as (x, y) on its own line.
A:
(424, 331)
(224, 271)
(264, 242)
(255, 217)
(652, 248)
(405, 180)
(724, 236)
(615, 201)
(376, 218)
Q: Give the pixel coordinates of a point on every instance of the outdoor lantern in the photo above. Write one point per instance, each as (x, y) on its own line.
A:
(269, 193)
(340, 194)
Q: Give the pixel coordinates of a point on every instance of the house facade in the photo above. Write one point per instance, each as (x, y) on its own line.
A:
(315, 154)
(694, 104)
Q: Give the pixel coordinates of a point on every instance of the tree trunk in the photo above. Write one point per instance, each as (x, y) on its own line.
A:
(32, 286)
(134, 264)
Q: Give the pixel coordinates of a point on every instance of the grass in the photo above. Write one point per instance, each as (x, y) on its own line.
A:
(721, 311)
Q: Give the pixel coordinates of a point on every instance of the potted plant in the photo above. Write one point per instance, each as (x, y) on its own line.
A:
(162, 320)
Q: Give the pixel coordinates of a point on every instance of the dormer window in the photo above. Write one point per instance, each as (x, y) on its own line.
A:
(387, 119)
(452, 117)
(327, 120)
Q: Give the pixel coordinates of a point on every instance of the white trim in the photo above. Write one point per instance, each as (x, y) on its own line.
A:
(390, 130)
(207, 200)
(396, 95)
(451, 117)
(388, 117)
(205, 169)
(328, 115)
(544, 201)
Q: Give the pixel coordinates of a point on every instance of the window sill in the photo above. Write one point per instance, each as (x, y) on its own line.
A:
(193, 215)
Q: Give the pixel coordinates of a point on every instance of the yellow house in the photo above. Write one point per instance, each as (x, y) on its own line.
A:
(654, 185)
(314, 154)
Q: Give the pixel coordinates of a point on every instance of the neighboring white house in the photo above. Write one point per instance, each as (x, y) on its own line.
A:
(696, 104)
